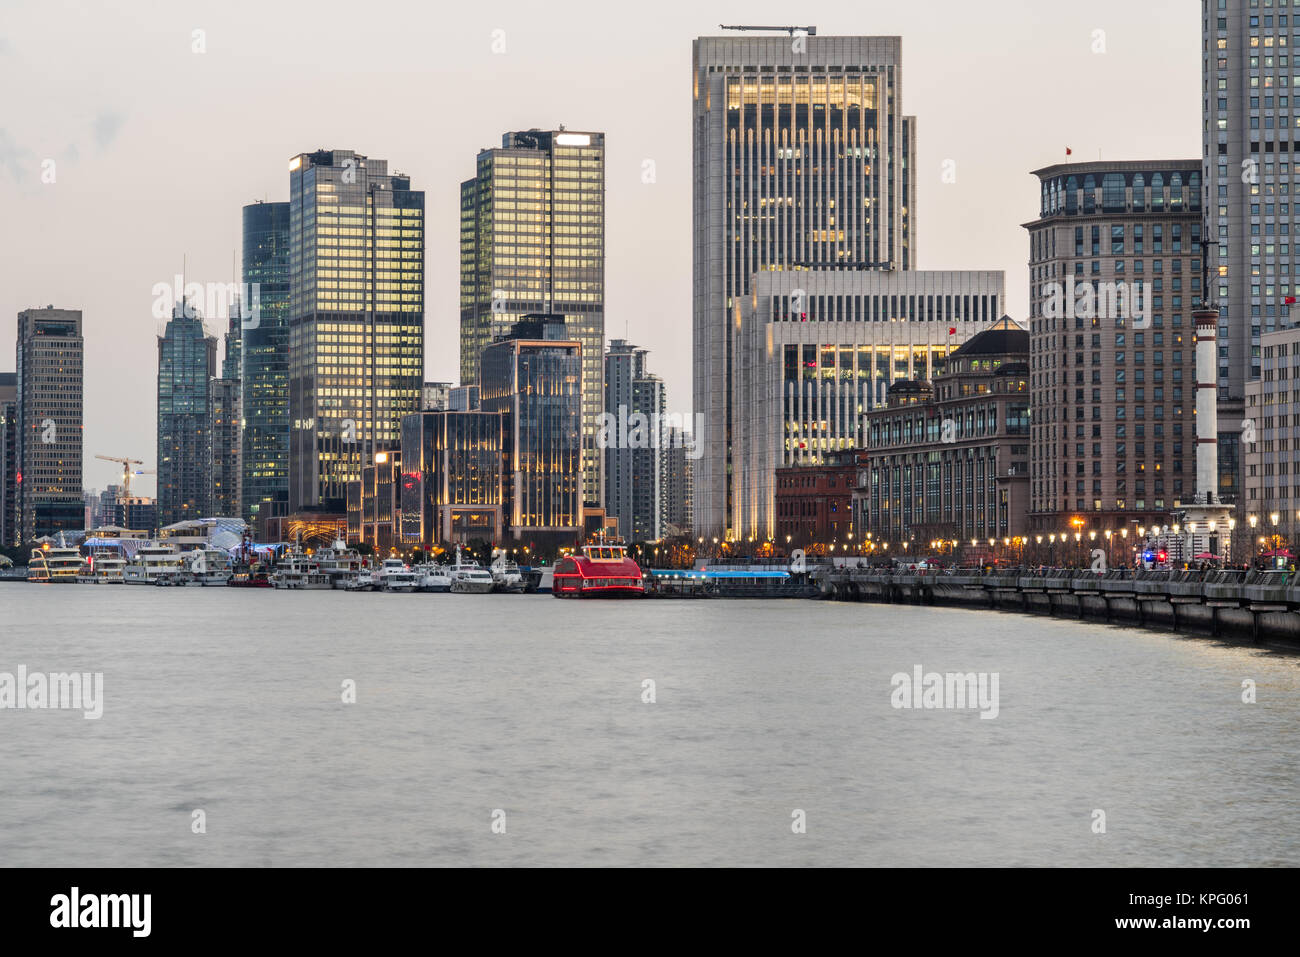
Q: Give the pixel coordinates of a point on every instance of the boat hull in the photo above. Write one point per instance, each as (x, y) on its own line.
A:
(464, 587)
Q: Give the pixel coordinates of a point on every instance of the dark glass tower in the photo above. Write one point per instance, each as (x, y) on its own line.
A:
(264, 359)
(534, 377)
(187, 359)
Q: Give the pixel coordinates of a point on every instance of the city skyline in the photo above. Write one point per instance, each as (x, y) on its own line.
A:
(77, 258)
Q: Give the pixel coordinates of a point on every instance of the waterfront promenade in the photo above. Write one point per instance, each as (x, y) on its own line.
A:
(1257, 605)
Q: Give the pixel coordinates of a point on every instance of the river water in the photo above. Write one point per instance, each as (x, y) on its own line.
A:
(477, 714)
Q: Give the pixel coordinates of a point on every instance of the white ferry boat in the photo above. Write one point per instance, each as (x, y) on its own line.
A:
(299, 572)
(506, 576)
(396, 575)
(55, 564)
(153, 563)
(340, 563)
(469, 577)
(364, 580)
(105, 565)
(209, 566)
(434, 578)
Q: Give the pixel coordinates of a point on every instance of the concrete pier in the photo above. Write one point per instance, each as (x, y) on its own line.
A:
(1255, 606)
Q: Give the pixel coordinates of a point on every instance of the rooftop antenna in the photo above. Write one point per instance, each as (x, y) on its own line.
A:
(811, 31)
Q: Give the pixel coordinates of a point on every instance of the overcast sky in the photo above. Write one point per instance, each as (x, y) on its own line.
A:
(157, 148)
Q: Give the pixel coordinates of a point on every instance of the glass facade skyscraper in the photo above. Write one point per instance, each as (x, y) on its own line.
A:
(187, 360)
(356, 318)
(634, 406)
(532, 241)
(264, 364)
(1251, 154)
(534, 377)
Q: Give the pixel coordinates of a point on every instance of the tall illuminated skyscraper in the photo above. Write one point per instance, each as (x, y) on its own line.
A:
(1251, 154)
(532, 241)
(187, 360)
(356, 318)
(802, 160)
(533, 377)
(51, 354)
(264, 374)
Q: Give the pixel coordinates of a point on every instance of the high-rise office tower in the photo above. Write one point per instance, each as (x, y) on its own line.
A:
(678, 480)
(632, 439)
(8, 458)
(356, 318)
(187, 361)
(1115, 273)
(533, 376)
(51, 353)
(802, 160)
(532, 240)
(1251, 156)
(264, 364)
(224, 400)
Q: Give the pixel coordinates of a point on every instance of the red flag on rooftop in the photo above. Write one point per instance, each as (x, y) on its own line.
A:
(1068, 151)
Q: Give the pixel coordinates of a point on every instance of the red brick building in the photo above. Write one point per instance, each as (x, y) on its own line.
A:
(814, 503)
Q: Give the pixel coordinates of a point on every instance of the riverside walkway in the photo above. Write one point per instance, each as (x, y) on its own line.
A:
(1260, 606)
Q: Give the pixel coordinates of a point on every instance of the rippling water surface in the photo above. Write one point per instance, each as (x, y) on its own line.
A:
(230, 701)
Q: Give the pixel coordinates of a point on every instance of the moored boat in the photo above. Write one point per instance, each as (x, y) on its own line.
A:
(249, 576)
(153, 562)
(433, 578)
(340, 563)
(601, 571)
(208, 566)
(395, 575)
(56, 564)
(468, 577)
(298, 571)
(506, 576)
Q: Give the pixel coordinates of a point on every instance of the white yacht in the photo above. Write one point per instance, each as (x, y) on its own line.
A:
(340, 563)
(105, 565)
(469, 577)
(153, 563)
(55, 564)
(396, 575)
(299, 571)
(363, 580)
(434, 577)
(209, 566)
(506, 576)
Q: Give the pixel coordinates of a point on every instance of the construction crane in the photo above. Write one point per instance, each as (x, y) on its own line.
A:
(127, 472)
(811, 31)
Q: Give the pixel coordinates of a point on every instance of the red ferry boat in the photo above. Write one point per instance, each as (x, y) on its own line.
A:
(601, 571)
